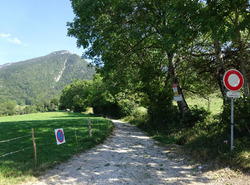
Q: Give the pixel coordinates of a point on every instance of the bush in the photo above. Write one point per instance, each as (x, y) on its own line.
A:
(241, 116)
(194, 115)
(110, 110)
(162, 113)
(139, 112)
(126, 107)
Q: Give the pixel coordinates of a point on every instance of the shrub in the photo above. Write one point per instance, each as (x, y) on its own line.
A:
(110, 110)
(194, 115)
(241, 116)
(139, 112)
(162, 113)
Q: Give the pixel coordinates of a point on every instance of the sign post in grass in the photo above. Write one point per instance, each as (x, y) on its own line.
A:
(90, 131)
(76, 140)
(233, 81)
(34, 145)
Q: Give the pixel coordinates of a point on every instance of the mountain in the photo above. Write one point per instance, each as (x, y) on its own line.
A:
(42, 78)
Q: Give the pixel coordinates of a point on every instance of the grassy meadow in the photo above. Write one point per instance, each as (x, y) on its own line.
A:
(18, 167)
(214, 105)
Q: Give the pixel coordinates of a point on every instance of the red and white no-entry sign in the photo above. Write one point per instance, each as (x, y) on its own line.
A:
(233, 80)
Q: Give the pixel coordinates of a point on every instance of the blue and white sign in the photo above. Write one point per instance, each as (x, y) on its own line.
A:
(60, 138)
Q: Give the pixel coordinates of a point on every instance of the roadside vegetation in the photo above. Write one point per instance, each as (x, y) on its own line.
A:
(204, 130)
(18, 167)
(141, 49)
(208, 140)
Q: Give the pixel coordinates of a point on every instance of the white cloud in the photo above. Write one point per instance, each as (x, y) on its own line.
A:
(5, 35)
(14, 40)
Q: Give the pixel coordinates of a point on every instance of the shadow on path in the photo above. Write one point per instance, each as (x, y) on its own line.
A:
(127, 157)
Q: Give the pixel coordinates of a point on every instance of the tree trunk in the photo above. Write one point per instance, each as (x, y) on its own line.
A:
(241, 54)
(182, 105)
(220, 68)
(243, 69)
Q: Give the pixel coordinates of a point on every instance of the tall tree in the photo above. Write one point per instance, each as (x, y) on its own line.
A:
(127, 33)
(132, 40)
(74, 96)
(225, 24)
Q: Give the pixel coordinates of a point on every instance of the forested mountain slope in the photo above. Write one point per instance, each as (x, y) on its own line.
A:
(42, 78)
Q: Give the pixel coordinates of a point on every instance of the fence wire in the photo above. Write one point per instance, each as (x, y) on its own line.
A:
(15, 152)
(8, 140)
(20, 150)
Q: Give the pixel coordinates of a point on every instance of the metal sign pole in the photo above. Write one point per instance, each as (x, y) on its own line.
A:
(233, 81)
(232, 123)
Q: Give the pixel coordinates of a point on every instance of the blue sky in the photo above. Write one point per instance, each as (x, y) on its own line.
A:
(34, 28)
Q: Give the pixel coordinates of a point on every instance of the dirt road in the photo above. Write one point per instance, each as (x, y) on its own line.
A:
(129, 157)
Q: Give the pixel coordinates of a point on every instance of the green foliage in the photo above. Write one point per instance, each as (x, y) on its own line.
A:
(210, 141)
(7, 107)
(54, 104)
(241, 116)
(195, 115)
(29, 109)
(99, 95)
(95, 94)
(101, 99)
(132, 41)
(206, 141)
(16, 168)
(162, 112)
(74, 96)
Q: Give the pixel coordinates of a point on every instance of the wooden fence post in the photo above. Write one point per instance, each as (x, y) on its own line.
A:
(76, 140)
(34, 145)
(90, 131)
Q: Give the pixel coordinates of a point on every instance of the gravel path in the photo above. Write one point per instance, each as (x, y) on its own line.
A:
(127, 157)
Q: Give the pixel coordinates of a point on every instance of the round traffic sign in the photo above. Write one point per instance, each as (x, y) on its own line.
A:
(60, 136)
(233, 80)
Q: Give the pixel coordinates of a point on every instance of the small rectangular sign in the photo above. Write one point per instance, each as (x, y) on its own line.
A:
(176, 94)
(178, 98)
(233, 94)
(175, 88)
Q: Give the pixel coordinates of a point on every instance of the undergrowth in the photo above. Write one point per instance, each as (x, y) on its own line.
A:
(205, 139)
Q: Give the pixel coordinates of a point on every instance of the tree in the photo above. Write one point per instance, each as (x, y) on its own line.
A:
(101, 98)
(74, 96)
(133, 41)
(54, 104)
(7, 108)
(128, 34)
(224, 38)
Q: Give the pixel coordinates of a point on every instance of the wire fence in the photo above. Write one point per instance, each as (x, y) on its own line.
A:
(8, 140)
(4, 155)
(13, 139)
(45, 141)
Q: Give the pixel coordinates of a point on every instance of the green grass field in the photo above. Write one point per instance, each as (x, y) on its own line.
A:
(215, 105)
(18, 167)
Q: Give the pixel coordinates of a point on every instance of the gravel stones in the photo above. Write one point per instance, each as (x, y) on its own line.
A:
(129, 156)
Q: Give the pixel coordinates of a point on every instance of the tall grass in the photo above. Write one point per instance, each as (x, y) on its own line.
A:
(18, 166)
